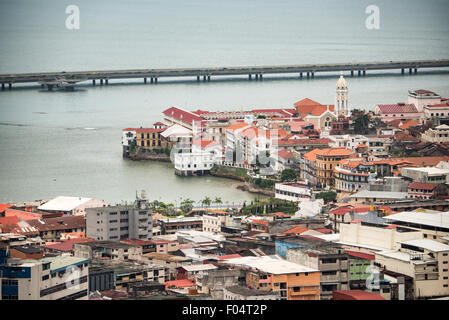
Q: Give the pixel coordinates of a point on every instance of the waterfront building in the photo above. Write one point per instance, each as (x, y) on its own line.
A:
(128, 139)
(437, 112)
(121, 221)
(181, 117)
(69, 206)
(193, 163)
(151, 138)
(422, 98)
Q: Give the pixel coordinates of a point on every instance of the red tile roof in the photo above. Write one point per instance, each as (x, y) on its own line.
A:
(66, 245)
(337, 151)
(323, 230)
(3, 207)
(422, 186)
(184, 283)
(150, 130)
(397, 108)
(341, 211)
(129, 129)
(295, 230)
(182, 115)
(355, 295)
(25, 215)
(9, 220)
(285, 154)
(361, 255)
(229, 256)
(203, 143)
(392, 226)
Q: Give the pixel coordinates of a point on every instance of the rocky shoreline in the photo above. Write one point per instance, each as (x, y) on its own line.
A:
(251, 189)
(153, 157)
(227, 175)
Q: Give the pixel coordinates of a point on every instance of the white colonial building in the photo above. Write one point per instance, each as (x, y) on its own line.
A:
(439, 134)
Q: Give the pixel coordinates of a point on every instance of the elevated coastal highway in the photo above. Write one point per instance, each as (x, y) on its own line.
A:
(256, 72)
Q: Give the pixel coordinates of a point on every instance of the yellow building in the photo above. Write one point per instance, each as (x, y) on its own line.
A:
(151, 138)
(326, 161)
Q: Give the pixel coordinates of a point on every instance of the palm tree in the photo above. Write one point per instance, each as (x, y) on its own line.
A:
(206, 201)
(218, 201)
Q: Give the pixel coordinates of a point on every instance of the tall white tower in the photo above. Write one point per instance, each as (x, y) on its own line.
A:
(341, 97)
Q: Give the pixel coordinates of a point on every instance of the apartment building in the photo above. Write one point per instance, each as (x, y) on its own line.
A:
(243, 293)
(55, 278)
(291, 281)
(113, 250)
(326, 161)
(425, 260)
(120, 222)
(172, 225)
(212, 223)
(332, 263)
(292, 191)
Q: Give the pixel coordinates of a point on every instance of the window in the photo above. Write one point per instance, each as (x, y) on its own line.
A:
(45, 277)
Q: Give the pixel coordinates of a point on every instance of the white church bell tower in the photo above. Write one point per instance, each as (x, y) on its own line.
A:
(341, 97)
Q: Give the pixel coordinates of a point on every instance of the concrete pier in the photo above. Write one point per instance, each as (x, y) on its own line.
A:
(106, 81)
(300, 75)
(364, 72)
(416, 70)
(9, 86)
(93, 82)
(101, 82)
(3, 86)
(155, 80)
(198, 78)
(145, 80)
(250, 76)
(208, 78)
(402, 70)
(352, 73)
(358, 73)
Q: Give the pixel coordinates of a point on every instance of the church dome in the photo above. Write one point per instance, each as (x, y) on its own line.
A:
(341, 83)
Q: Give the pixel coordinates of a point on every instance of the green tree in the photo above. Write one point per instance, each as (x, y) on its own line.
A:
(327, 196)
(218, 200)
(288, 175)
(186, 205)
(361, 124)
(206, 201)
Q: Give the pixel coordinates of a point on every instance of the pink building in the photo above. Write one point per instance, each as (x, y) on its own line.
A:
(401, 110)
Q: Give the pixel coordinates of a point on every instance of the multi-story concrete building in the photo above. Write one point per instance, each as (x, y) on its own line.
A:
(347, 141)
(291, 281)
(194, 163)
(151, 138)
(422, 98)
(332, 263)
(292, 191)
(425, 260)
(243, 293)
(215, 282)
(212, 223)
(56, 278)
(439, 134)
(113, 250)
(352, 175)
(120, 222)
(172, 225)
(426, 174)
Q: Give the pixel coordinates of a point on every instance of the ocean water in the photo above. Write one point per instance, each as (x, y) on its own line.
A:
(68, 143)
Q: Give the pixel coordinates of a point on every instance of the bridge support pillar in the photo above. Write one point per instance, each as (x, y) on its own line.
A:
(208, 78)
(250, 76)
(3, 86)
(260, 76)
(93, 82)
(313, 74)
(151, 80)
(145, 80)
(256, 76)
(358, 73)
(364, 72)
(101, 82)
(416, 70)
(9, 86)
(198, 78)
(106, 81)
(300, 75)
(352, 73)
(308, 75)
(155, 80)
(410, 70)
(402, 70)
(204, 78)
